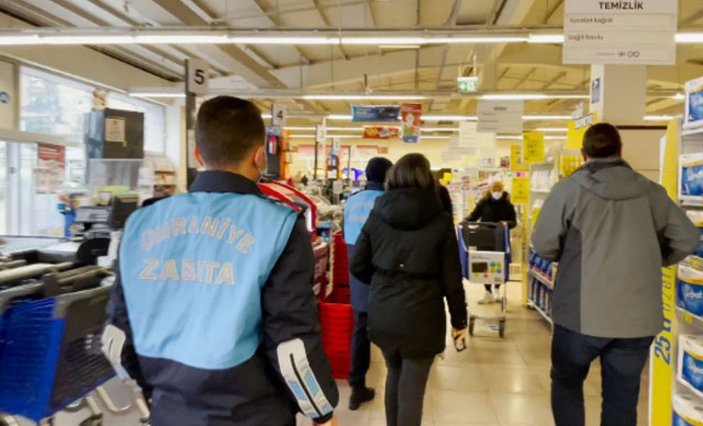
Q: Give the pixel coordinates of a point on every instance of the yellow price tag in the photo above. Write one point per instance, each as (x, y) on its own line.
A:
(516, 163)
(533, 147)
(521, 190)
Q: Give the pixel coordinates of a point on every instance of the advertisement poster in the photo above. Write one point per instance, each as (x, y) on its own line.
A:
(381, 132)
(50, 171)
(521, 190)
(363, 113)
(533, 147)
(411, 115)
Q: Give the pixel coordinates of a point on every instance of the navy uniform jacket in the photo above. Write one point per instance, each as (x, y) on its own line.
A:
(215, 297)
(356, 212)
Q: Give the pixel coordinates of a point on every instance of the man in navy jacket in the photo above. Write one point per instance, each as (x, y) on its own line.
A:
(356, 211)
(215, 292)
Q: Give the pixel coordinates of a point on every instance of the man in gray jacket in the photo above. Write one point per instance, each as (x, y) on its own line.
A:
(611, 230)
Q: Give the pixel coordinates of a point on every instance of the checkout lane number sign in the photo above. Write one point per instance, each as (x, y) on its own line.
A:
(198, 78)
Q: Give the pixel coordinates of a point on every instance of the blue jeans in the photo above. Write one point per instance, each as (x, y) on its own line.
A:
(622, 362)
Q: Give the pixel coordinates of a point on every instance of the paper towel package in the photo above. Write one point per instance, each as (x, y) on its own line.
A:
(688, 411)
(690, 368)
(696, 217)
(691, 175)
(689, 291)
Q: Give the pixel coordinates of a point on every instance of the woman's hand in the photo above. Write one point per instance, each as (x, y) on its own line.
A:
(459, 337)
(331, 422)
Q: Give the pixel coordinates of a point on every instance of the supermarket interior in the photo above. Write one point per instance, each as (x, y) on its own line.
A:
(133, 292)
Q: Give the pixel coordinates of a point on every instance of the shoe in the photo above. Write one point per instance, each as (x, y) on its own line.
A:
(488, 297)
(359, 396)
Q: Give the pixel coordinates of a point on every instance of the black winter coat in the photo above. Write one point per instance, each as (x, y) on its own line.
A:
(408, 251)
(490, 210)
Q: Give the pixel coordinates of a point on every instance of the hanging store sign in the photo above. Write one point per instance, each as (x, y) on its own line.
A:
(50, 171)
(197, 76)
(577, 129)
(381, 132)
(638, 32)
(364, 113)
(532, 147)
(411, 115)
(279, 115)
(516, 164)
(500, 116)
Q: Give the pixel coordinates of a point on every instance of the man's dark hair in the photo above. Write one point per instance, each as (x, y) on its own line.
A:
(377, 168)
(411, 171)
(602, 140)
(227, 129)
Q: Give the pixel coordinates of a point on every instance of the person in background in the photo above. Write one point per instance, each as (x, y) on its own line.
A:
(214, 295)
(445, 198)
(611, 230)
(408, 252)
(356, 211)
(495, 207)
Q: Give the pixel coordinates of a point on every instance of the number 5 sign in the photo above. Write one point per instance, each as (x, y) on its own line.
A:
(198, 76)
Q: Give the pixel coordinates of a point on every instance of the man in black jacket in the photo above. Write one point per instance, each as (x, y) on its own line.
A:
(215, 296)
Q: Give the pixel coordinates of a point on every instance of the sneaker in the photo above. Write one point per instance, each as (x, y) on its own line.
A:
(359, 396)
(488, 297)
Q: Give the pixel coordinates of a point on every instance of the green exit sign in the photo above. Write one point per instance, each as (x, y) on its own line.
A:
(467, 84)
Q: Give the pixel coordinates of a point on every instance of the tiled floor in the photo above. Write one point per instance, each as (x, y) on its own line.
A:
(495, 382)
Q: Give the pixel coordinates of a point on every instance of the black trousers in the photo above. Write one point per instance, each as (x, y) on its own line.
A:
(360, 351)
(405, 389)
(622, 362)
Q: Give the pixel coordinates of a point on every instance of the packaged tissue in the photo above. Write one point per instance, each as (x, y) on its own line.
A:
(692, 174)
(689, 290)
(696, 217)
(690, 369)
(687, 411)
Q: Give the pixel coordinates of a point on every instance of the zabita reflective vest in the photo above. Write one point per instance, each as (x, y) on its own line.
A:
(193, 267)
(356, 211)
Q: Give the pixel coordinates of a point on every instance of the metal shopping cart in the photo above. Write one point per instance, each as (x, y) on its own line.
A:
(484, 250)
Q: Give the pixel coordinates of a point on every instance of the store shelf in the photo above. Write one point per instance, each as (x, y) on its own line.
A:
(541, 312)
(541, 278)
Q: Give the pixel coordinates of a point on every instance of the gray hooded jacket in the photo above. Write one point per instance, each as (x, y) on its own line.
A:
(611, 230)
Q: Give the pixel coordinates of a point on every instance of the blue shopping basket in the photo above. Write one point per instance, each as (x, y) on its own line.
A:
(50, 351)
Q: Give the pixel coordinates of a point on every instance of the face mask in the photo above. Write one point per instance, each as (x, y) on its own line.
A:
(496, 195)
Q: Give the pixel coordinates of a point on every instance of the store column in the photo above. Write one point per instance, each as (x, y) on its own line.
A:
(618, 93)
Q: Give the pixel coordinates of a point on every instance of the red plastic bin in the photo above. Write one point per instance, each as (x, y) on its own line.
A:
(340, 266)
(337, 323)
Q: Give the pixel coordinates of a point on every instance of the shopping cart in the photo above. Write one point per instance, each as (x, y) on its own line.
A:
(50, 351)
(484, 249)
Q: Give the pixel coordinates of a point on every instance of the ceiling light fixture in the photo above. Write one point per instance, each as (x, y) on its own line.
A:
(477, 40)
(552, 129)
(351, 97)
(529, 96)
(375, 41)
(546, 117)
(339, 117)
(449, 118)
(546, 38)
(157, 94)
(685, 38)
(282, 40)
(658, 117)
(399, 46)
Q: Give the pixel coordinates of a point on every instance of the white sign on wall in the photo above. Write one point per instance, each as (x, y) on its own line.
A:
(198, 78)
(635, 32)
(500, 116)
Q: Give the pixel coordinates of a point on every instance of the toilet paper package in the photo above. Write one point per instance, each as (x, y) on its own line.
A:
(690, 368)
(689, 290)
(691, 175)
(696, 217)
(687, 411)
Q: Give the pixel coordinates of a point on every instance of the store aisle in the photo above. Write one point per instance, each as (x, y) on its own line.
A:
(495, 382)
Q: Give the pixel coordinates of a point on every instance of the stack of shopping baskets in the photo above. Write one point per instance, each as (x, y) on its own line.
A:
(50, 329)
(336, 314)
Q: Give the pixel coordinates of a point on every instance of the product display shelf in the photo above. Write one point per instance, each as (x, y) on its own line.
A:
(544, 315)
(542, 279)
(687, 327)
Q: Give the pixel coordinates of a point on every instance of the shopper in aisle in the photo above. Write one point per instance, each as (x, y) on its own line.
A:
(445, 198)
(215, 292)
(611, 229)
(408, 251)
(496, 207)
(356, 211)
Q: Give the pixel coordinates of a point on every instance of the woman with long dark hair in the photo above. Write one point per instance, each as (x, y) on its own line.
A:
(408, 253)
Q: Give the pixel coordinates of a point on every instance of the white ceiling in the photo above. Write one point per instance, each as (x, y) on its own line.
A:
(516, 67)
